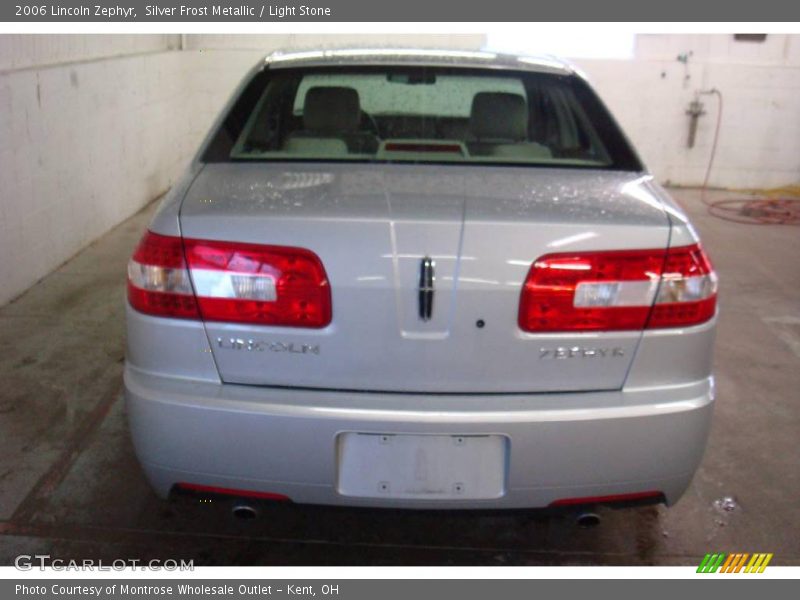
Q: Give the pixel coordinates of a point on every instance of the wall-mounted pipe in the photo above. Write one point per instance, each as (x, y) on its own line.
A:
(695, 111)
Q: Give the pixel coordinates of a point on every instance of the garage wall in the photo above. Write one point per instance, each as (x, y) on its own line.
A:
(759, 143)
(23, 51)
(87, 141)
(775, 49)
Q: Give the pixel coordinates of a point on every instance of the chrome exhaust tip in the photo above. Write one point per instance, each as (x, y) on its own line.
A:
(244, 512)
(587, 520)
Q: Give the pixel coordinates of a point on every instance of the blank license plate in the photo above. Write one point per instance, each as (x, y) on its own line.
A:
(422, 466)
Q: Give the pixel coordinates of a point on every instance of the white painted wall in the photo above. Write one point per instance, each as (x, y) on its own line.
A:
(759, 140)
(759, 143)
(777, 49)
(85, 145)
(23, 51)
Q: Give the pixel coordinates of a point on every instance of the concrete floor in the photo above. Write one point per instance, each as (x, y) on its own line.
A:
(70, 485)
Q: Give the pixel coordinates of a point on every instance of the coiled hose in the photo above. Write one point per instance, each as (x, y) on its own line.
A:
(775, 206)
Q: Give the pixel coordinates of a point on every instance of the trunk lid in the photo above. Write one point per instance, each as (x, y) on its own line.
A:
(373, 226)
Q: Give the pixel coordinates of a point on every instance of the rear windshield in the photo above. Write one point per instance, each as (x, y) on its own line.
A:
(439, 115)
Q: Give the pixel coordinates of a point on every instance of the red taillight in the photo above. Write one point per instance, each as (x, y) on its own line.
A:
(227, 281)
(158, 280)
(618, 290)
(688, 291)
(252, 283)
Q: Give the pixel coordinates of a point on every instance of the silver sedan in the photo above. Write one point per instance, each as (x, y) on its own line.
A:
(420, 280)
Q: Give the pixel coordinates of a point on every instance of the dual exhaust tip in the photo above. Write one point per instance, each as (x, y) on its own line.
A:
(247, 512)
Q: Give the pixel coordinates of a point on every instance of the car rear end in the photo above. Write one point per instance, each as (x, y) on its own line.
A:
(417, 285)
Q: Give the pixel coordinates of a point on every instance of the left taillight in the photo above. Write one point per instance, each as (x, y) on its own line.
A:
(229, 281)
(259, 284)
(158, 278)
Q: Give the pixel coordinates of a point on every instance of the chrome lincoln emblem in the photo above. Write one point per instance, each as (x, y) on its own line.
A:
(426, 289)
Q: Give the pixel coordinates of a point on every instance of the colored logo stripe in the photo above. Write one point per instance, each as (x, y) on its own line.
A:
(758, 563)
(734, 562)
(711, 563)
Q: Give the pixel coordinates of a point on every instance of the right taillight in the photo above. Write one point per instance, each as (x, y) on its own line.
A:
(229, 281)
(687, 294)
(618, 290)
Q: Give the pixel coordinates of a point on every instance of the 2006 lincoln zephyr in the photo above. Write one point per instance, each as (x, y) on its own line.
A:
(422, 280)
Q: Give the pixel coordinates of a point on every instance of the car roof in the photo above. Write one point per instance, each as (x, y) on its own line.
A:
(417, 57)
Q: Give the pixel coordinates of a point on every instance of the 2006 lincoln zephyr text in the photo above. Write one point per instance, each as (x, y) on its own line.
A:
(423, 280)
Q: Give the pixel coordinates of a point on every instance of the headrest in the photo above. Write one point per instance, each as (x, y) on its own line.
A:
(499, 116)
(331, 110)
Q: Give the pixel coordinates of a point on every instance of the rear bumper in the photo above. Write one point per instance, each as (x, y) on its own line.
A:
(284, 441)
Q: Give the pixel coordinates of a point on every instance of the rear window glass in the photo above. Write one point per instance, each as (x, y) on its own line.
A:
(379, 94)
(402, 114)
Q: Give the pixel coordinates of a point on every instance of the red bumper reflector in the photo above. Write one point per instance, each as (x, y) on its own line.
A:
(608, 499)
(211, 489)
